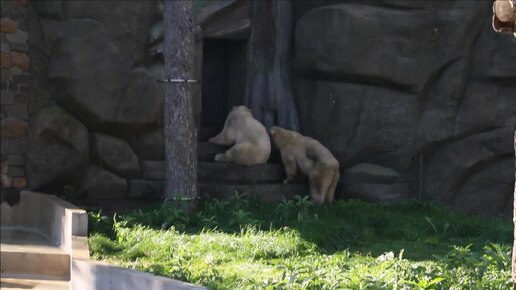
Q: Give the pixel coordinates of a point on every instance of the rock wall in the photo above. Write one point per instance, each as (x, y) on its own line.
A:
(15, 86)
(97, 108)
(386, 83)
(415, 98)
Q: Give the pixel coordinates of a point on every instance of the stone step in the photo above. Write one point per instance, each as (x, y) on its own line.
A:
(269, 192)
(25, 252)
(220, 171)
(231, 172)
(33, 282)
(149, 191)
(207, 151)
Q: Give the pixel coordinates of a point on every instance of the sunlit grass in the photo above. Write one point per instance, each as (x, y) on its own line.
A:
(247, 244)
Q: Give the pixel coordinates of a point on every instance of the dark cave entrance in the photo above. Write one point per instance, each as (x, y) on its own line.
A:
(223, 79)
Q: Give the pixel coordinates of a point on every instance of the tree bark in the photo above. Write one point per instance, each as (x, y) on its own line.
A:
(268, 85)
(180, 131)
(514, 219)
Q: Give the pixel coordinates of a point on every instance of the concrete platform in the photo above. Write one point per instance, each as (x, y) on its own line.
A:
(44, 246)
(15, 282)
(26, 252)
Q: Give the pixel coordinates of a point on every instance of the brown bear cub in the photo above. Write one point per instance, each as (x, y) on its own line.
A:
(251, 141)
(312, 158)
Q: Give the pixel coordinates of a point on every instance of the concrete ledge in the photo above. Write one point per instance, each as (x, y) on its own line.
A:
(92, 275)
(65, 227)
(48, 264)
(59, 221)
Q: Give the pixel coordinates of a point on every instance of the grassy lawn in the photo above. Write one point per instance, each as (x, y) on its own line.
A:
(247, 244)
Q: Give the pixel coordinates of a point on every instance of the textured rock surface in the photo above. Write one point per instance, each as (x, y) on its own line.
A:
(383, 82)
(99, 183)
(380, 83)
(374, 183)
(115, 155)
(145, 189)
(58, 149)
(149, 146)
(97, 83)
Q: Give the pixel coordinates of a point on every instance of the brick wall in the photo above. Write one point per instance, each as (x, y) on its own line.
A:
(15, 82)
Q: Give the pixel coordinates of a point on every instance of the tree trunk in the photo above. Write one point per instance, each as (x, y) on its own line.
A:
(268, 85)
(180, 131)
(514, 220)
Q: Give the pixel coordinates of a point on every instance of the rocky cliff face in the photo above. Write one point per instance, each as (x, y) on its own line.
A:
(398, 90)
(386, 83)
(95, 68)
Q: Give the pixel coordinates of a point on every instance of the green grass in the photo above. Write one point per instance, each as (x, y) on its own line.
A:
(247, 244)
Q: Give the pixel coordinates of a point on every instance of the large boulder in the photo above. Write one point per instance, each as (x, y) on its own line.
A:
(390, 47)
(390, 82)
(115, 155)
(58, 150)
(450, 167)
(149, 146)
(487, 190)
(373, 183)
(99, 183)
(373, 125)
(96, 82)
(128, 23)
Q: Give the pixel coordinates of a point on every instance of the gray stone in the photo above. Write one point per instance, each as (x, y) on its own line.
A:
(19, 111)
(398, 55)
(17, 146)
(374, 170)
(21, 98)
(5, 76)
(487, 190)
(373, 182)
(58, 152)
(6, 98)
(50, 9)
(110, 97)
(153, 169)
(455, 167)
(16, 159)
(155, 70)
(149, 146)
(17, 71)
(19, 37)
(21, 47)
(387, 94)
(114, 154)
(501, 61)
(486, 105)
(230, 172)
(4, 146)
(4, 47)
(357, 125)
(16, 171)
(99, 183)
(141, 189)
(128, 23)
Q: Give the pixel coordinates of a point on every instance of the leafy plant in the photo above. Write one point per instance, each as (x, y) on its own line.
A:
(243, 243)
